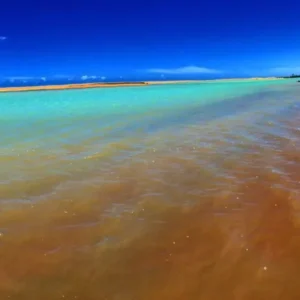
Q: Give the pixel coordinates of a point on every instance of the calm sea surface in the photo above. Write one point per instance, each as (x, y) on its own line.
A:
(186, 191)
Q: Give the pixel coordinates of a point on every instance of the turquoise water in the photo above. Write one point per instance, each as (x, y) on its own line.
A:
(63, 133)
(36, 115)
(53, 105)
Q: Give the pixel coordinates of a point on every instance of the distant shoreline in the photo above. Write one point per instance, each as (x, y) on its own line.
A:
(118, 84)
(69, 86)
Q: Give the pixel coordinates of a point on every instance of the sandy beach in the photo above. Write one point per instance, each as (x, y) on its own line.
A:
(119, 84)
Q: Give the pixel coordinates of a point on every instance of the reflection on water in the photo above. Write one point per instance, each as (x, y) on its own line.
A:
(210, 211)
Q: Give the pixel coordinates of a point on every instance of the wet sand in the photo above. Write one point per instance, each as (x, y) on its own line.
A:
(214, 214)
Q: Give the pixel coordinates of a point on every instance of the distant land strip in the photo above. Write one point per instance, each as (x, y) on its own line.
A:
(70, 86)
(118, 84)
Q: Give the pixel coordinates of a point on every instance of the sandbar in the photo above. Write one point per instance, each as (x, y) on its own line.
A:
(70, 86)
(213, 80)
(120, 84)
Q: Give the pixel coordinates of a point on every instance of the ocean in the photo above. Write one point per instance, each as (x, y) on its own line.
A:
(173, 191)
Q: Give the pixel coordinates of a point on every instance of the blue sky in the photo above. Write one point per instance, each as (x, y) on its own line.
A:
(140, 39)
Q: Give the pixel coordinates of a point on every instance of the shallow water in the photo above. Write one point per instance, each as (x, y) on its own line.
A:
(162, 192)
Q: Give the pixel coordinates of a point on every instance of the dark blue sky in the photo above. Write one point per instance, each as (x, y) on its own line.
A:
(138, 38)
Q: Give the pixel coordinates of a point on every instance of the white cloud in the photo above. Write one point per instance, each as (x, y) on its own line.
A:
(3, 38)
(285, 70)
(19, 78)
(24, 78)
(86, 77)
(103, 78)
(185, 70)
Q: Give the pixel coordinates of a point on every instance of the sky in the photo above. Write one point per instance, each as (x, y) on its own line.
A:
(148, 39)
